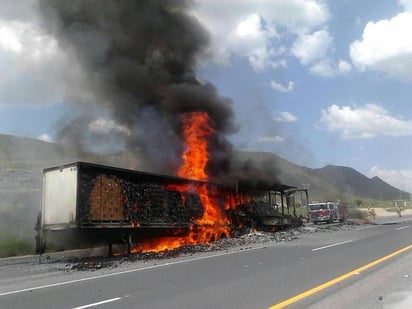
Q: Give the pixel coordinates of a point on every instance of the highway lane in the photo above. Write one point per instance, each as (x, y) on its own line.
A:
(386, 286)
(254, 278)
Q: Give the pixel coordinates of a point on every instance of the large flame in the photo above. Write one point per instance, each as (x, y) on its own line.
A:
(195, 157)
(214, 223)
(196, 130)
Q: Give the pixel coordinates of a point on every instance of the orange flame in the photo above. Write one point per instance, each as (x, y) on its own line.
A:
(196, 130)
(214, 223)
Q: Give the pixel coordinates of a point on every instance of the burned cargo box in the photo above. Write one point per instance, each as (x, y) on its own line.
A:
(265, 211)
(89, 195)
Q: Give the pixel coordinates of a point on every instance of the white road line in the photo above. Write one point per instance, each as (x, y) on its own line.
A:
(98, 303)
(365, 228)
(135, 270)
(333, 245)
(401, 228)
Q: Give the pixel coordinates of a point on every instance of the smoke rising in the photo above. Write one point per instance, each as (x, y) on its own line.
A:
(138, 61)
(138, 58)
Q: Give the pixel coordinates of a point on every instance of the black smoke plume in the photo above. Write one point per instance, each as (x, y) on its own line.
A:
(138, 60)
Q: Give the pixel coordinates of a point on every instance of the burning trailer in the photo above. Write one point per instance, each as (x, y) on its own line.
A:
(140, 70)
(86, 204)
(96, 203)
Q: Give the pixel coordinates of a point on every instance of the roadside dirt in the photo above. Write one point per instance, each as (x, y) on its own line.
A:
(381, 212)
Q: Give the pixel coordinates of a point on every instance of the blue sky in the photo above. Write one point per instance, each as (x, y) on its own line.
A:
(317, 82)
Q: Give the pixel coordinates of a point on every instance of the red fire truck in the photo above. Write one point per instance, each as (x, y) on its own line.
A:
(328, 212)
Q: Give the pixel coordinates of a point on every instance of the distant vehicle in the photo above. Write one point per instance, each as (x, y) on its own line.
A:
(328, 212)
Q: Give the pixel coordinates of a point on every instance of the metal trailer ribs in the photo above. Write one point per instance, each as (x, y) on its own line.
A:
(93, 202)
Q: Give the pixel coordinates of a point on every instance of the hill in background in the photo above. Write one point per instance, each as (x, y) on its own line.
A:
(329, 182)
(22, 161)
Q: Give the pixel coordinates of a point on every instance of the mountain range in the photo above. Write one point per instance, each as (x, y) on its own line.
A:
(23, 159)
(330, 182)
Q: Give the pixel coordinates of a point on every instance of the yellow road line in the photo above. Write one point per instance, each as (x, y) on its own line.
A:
(329, 283)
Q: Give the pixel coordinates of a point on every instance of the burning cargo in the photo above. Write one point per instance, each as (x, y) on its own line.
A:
(91, 204)
(89, 195)
(85, 197)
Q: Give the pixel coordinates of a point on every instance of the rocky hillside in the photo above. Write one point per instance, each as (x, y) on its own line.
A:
(329, 182)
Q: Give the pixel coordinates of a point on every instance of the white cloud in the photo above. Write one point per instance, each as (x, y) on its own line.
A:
(344, 67)
(105, 126)
(309, 48)
(295, 15)
(252, 37)
(286, 117)
(9, 39)
(45, 138)
(327, 68)
(279, 63)
(271, 139)
(30, 62)
(279, 87)
(313, 50)
(368, 121)
(249, 28)
(259, 58)
(386, 46)
(407, 5)
(323, 67)
(26, 40)
(34, 69)
(401, 179)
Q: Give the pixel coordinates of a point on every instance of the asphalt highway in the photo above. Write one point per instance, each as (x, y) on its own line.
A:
(316, 272)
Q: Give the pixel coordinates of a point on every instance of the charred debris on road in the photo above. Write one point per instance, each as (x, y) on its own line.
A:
(244, 242)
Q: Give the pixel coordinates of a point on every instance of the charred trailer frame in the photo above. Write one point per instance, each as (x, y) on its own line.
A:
(106, 205)
(270, 209)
